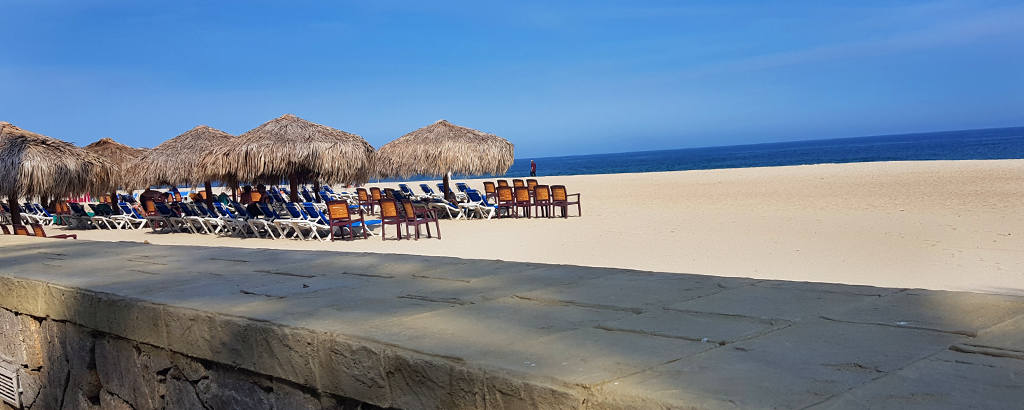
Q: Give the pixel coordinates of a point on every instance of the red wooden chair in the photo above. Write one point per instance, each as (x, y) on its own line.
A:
(542, 200)
(523, 201)
(560, 199)
(6, 231)
(22, 230)
(389, 216)
(338, 215)
(490, 191)
(363, 197)
(502, 182)
(506, 200)
(423, 216)
(516, 183)
(37, 229)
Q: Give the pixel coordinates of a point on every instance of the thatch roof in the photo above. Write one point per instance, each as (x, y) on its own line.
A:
(114, 151)
(176, 160)
(444, 147)
(117, 153)
(34, 165)
(288, 146)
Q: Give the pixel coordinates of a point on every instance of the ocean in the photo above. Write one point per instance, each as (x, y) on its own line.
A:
(998, 143)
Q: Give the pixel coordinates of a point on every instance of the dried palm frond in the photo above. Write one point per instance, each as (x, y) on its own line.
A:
(444, 147)
(289, 146)
(34, 165)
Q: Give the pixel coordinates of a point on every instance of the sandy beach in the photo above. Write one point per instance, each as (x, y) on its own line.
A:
(943, 225)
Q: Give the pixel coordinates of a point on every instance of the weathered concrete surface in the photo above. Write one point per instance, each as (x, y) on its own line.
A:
(308, 329)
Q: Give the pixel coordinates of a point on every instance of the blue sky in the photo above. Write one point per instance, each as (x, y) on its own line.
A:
(555, 78)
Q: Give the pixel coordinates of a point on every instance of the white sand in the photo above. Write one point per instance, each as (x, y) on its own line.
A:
(953, 225)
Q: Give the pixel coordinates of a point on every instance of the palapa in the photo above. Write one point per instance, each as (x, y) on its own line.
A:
(34, 165)
(442, 148)
(118, 153)
(175, 161)
(293, 148)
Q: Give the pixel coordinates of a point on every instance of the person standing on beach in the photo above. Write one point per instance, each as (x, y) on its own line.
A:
(533, 168)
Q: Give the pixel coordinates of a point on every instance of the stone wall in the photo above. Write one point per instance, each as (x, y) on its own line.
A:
(64, 366)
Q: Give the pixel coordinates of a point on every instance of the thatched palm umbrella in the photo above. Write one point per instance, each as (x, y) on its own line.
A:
(443, 148)
(291, 147)
(175, 161)
(117, 153)
(34, 165)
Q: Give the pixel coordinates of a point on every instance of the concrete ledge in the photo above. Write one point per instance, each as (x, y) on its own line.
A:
(407, 332)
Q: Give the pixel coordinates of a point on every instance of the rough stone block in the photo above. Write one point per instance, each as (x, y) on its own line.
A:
(509, 394)
(130, 371)
(418, 382)
(948, 380)
(790, 368)
(351, 369)
(209, 336)
(287, 353)
(793, 303)
(22, 295)
(954, 312)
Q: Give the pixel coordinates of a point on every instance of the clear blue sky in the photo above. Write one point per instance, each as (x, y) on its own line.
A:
(555, 78)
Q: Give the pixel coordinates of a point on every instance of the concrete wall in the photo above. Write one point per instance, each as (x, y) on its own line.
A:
(67, 366)
(78, 348)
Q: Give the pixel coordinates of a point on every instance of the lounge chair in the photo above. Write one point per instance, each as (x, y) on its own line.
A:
(174, 220)
(428, 191)
(407, 191)
(82, 219)
(130, 217)
(560, 200)
(37, 229)
(299, 220)
(479, 204)
(273, 219)
(318, 221)
(212, 219)
(256, 224)
(48, 218)
(416, 217)
(190, 214)
(239, 225)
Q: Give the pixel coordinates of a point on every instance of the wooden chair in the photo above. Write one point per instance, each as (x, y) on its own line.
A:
(363, 197)
(506, 200)
(542, 200)
(530, 183)
(22, 230)
(37, 229)
(177, 196)
(150, 208)
(6, 231)
(490, 190)
(376, 195)
(423, 216)
(502, 182)
(389, 216)
(518, 183)
(560, 199)
(338, 215)
(523, 201)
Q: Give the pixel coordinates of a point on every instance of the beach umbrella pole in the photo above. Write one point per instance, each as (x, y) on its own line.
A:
(293, 182)
(447, 196)
(209, 195)
(12, 202)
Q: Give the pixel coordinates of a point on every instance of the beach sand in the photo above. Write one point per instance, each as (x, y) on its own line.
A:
(944, 225)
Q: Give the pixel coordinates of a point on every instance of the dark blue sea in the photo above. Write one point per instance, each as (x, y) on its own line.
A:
(997, 143)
